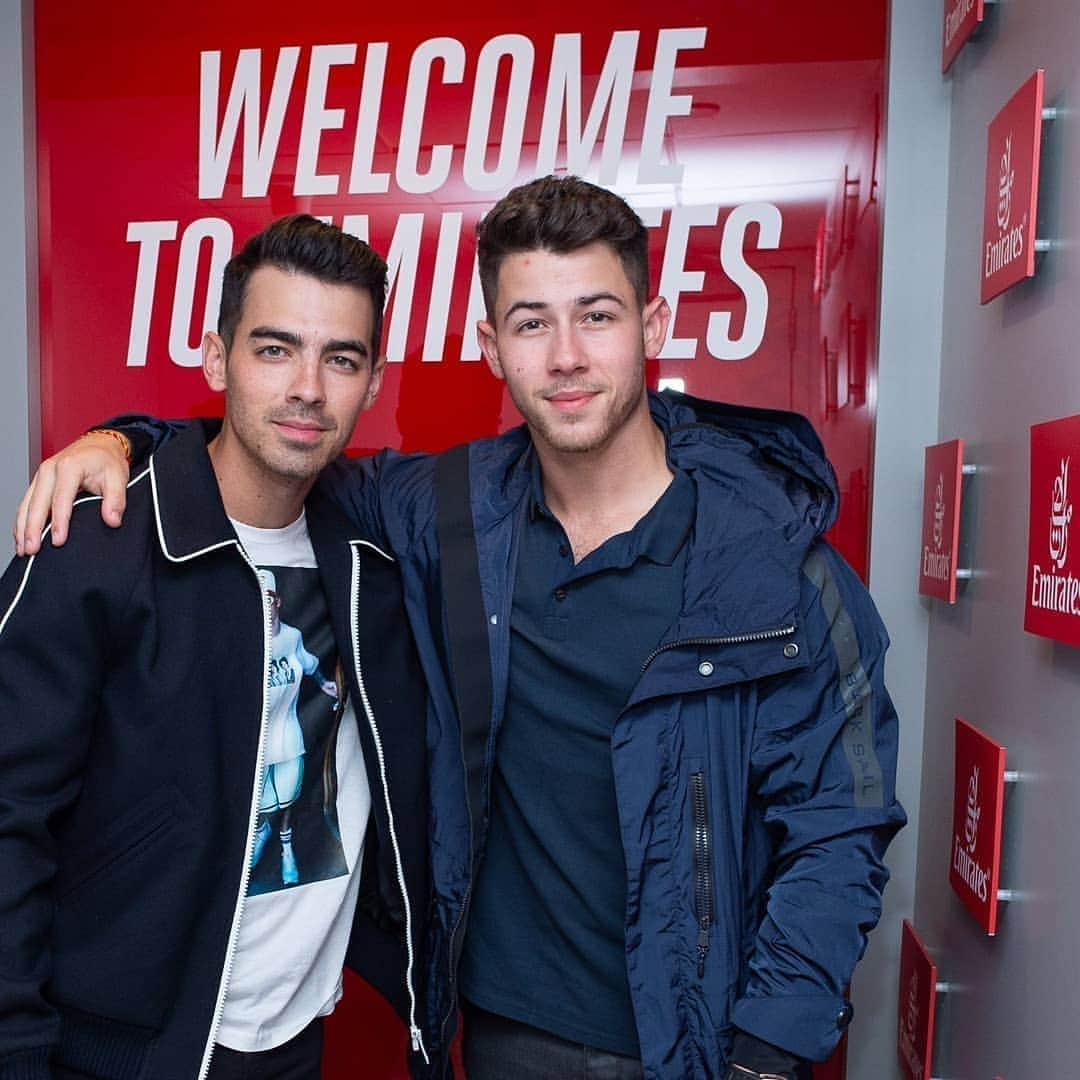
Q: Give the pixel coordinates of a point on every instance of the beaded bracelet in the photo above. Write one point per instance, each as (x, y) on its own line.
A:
(121, 438)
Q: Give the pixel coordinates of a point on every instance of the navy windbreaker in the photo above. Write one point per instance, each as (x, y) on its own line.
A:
(754, 761)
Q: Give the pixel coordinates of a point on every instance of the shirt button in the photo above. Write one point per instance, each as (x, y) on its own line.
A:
(564, 550)
(560, 594)
(705, 668)
(791, 650)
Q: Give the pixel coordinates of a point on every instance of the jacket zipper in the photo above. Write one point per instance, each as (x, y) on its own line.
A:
(703, 891)
(238, 911)
(415, 1035)
(730, 639)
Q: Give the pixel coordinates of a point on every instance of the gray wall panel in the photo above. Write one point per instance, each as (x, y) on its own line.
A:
(1005, 366)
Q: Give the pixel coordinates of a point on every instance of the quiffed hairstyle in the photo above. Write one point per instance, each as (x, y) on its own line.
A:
(301, 244)
(560, 215)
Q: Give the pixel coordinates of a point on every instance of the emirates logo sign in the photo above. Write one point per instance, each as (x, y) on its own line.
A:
(1052, 589)
(939, 511)
(1006, 179)
(965, 864)
(1060, 517)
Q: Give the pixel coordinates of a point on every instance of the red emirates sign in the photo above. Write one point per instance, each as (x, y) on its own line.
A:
(1052, 605)
(1012, 190)
(942, 482)
(916, 1003)
(978, 800)
(961, 18)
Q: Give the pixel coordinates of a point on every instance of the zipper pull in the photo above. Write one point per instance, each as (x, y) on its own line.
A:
(702, 951)
(414, 1033)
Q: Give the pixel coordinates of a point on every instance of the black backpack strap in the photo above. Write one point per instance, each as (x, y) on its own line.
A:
(466, 621)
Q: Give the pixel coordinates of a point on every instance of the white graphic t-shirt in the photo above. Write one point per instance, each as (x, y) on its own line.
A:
(314, 803)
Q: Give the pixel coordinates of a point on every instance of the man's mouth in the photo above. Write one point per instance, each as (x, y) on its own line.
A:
(301, 430)
(570, 400)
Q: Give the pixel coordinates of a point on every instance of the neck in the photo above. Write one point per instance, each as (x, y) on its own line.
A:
(598, 493)
(251, 493)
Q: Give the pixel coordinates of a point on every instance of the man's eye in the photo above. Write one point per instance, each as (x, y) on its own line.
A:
(350, 363)
(271, 352)
(530, 324)
(598, 316)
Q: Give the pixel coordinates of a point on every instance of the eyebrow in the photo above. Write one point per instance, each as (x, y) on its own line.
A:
(288, 337)
(582, 301)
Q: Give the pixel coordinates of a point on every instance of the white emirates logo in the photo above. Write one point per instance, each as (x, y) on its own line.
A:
(1051, 589)
(971, 873)
(1006, 178)
(937, 564)
(1060, 516)
(939, 511)
(1010, 242)
(910, 1028)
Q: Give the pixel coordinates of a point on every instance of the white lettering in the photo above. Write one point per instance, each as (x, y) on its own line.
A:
(662, 104)
(317, 118)
(476, 175)
(260, 146)
(675, 279)
(362, 180)
(149, 235)
(219, 233)
(563, 99)
(718, 338)
(409, 177)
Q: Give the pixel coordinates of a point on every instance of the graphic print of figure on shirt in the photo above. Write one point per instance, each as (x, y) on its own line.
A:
(285, 750)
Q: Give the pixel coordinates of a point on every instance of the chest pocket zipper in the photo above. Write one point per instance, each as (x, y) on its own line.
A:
(703, 883)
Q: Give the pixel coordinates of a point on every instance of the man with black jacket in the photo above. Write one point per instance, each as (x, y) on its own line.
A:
(234, 655)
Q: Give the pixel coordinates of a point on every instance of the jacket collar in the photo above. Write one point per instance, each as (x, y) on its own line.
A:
(190, 516)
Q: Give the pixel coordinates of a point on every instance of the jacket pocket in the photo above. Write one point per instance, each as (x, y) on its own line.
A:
(704, 898)
(122, 841)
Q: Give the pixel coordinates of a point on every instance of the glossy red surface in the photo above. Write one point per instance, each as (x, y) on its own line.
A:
(751, 143)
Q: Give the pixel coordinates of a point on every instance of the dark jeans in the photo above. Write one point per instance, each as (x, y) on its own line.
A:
(495, 1048)
(298, 1059)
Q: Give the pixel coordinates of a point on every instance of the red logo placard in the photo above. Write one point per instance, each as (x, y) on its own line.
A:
(942, 482)
(1012, 190)
(978, 799)
(961, 18)
(917, 1000)
(1052, 605)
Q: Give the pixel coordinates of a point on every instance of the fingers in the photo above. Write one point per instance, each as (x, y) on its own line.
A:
(94, 463)
(64, 492)
(19, 531)
(113, 493)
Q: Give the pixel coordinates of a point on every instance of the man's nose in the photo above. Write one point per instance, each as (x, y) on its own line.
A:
(308, 381)
(567, 353)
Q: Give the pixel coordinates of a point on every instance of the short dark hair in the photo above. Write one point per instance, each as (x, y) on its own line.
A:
(561, 214)
(302, 244)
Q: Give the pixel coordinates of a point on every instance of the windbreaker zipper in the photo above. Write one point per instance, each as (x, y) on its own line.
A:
(415, 1035)
(238, 910)
(703, 889)
(730, 639)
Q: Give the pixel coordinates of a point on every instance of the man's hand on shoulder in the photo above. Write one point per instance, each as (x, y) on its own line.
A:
(97, 462)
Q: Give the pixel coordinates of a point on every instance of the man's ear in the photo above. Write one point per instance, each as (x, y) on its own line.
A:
(375, 382)
(214, 361)
(489, 346)
(655, 317)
